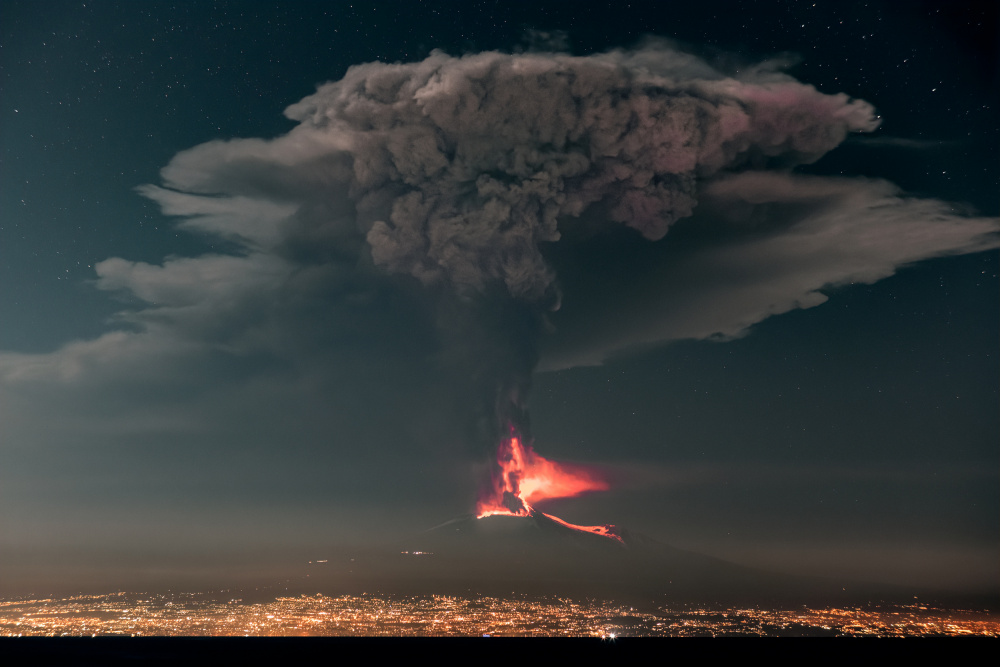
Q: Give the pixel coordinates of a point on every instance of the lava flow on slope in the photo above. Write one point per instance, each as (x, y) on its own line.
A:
(522, 477)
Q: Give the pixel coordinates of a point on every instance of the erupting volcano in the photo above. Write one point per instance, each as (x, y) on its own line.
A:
(521, 477)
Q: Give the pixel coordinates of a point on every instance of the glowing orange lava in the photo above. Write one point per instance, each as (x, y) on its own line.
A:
(523, 477)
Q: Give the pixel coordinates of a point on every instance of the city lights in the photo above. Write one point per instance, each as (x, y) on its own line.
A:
(199, 614)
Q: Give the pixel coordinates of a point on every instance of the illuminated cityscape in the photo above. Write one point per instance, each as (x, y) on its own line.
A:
(125, 614)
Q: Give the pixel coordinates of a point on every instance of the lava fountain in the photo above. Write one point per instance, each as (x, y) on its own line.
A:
(522, 477)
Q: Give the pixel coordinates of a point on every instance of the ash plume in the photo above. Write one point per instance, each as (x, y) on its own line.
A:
(458, 170)
(475, 162)
(462, 167)
(460, 174)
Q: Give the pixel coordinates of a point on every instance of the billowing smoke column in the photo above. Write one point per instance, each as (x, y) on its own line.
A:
(465, 166)
(457, 171)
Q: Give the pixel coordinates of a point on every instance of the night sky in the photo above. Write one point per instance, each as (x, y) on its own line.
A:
(245, 322)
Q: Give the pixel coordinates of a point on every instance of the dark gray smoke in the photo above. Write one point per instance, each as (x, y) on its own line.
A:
(463, 171)
(457, 169)
(463, 166)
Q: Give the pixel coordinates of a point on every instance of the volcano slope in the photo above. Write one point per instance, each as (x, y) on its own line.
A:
(536, 555)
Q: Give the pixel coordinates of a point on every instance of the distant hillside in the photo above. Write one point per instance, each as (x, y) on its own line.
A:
(499, 555)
